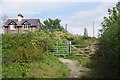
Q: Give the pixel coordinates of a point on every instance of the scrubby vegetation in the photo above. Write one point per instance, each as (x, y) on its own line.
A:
(105, 62)
(25, 56)
(109, 41)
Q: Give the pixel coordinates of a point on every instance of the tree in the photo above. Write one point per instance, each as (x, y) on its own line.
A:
(52, 25)
(109, 40)
(3, 19)
(85, 33)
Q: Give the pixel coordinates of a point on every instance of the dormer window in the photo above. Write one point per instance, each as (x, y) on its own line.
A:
(26, 25)
(12, 26)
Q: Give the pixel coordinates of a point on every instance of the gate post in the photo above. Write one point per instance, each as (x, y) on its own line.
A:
(69, 47)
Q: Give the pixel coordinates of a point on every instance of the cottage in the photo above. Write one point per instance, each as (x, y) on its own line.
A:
(21, 25)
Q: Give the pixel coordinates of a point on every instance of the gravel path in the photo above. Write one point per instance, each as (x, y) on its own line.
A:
(75, 71)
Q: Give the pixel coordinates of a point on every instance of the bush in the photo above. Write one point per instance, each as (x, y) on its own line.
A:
(25, 56)
(23, 47)
(109, 41)
(49, 67)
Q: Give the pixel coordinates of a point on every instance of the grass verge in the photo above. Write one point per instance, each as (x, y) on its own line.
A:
(50, 67)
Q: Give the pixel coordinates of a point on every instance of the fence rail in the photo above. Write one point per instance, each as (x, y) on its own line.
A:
(58, 48)
(67, 49)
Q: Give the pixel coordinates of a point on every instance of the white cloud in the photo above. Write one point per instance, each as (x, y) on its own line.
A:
(82, 19)
(30, 7)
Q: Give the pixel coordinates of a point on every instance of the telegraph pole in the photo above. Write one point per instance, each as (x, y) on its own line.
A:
(93, 29)
(65, 27)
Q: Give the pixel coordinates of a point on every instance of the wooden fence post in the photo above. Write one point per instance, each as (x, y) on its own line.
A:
(69, 47)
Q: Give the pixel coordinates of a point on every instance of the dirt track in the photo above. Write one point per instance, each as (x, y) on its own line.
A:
(75, 71)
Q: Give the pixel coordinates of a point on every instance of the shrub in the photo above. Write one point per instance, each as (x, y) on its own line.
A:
(25, 56)
(23, 47)
(109, 41)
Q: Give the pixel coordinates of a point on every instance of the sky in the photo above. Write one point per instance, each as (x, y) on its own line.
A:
(77, 14)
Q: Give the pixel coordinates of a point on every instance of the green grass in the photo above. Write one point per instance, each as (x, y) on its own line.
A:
(26, 56)
(50, 67)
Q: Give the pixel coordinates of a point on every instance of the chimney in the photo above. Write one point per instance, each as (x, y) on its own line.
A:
(20, 16)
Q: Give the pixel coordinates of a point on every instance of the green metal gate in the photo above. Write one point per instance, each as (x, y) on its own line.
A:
(58, 48)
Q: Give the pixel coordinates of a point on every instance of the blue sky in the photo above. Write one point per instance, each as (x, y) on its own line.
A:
(77, 15)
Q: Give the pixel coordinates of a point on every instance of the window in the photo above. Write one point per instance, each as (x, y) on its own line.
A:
(12, 26)
(26, 25)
